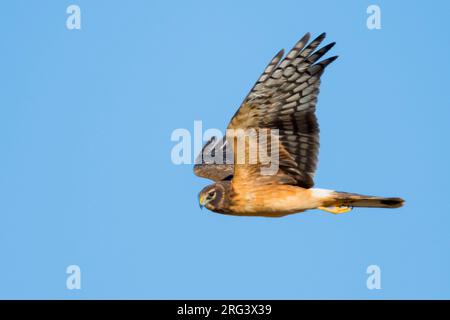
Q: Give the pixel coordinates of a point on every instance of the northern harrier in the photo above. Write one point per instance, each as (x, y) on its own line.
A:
(283, 99)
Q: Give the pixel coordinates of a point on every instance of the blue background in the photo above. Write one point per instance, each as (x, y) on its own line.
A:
(86, 176)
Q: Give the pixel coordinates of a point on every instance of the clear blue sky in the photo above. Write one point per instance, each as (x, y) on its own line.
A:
(86, 176)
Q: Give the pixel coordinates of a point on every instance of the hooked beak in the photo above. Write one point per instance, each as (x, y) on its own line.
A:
(201, 202)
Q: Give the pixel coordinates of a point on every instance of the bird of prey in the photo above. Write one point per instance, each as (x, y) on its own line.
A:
(284, 100)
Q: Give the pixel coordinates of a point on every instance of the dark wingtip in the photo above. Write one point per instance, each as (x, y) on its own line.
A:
(306, 37)
(326, 48)
(319, 38)
(393, 202)
(280, 54)
(327, 61)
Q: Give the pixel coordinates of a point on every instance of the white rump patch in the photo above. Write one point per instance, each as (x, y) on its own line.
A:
(321, 193)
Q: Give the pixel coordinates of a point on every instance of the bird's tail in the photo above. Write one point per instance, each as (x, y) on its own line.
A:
(358, 200)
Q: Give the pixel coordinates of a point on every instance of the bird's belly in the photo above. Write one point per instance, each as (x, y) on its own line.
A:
(278, 200)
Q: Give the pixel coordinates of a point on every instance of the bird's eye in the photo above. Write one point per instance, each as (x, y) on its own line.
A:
(211, 194)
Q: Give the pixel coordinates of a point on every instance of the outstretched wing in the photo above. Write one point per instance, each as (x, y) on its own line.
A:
(206, 164)
(212, 163)
(285, 98)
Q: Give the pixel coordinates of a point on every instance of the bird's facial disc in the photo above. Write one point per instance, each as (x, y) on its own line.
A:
(206, 197)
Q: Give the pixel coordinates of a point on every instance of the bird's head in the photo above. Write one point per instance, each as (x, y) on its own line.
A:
(215, 197)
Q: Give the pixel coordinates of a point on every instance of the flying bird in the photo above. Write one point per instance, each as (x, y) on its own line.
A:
(283, 100)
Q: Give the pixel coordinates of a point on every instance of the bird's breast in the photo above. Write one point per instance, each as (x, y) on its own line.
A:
(271, 200)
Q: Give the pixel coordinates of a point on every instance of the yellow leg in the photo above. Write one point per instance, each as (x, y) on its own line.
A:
(336, 210)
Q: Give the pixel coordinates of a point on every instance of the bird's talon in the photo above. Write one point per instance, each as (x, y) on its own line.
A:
(336, 210)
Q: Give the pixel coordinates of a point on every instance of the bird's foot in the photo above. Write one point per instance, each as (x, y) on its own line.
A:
(336, 210)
